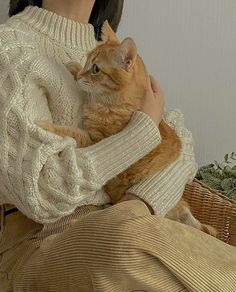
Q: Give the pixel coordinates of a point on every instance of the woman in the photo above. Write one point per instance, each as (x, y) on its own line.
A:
(56, 236)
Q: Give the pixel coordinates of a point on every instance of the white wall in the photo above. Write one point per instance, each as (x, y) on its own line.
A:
(3, 10)
(190, 46)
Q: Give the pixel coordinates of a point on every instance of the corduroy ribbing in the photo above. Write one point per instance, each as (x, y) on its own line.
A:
(122, 249)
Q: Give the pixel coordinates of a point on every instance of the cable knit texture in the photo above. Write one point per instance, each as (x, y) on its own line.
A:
(45, 176)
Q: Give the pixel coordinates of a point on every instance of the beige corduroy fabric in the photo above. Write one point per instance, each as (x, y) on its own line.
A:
(119, 249)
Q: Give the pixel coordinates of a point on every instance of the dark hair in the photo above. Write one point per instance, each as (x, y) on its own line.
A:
(103, 10)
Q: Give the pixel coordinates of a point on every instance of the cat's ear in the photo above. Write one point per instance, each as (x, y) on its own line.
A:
(107, 33)
(127, 53)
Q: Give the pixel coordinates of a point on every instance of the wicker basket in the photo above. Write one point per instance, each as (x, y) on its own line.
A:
(212, 208)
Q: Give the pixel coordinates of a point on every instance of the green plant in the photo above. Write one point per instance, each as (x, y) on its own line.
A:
(220, 176)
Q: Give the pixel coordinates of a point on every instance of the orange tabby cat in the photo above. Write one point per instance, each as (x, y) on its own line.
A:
(115, 80)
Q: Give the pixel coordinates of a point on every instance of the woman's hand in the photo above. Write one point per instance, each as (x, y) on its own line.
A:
(154, 101)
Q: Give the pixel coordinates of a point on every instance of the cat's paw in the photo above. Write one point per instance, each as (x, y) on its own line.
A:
(209, 230)
(47, 126)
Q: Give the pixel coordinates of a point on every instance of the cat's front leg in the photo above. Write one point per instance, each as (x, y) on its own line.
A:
(82, 137)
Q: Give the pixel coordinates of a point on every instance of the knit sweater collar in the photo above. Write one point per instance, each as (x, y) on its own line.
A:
(60, 29)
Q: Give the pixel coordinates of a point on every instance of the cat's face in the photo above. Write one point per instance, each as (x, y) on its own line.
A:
(108, 69)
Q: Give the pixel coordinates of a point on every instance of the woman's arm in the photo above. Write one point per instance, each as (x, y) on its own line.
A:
(163, 190)
(47, 177)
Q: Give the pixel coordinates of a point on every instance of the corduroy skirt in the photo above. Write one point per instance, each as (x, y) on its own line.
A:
(118, 249)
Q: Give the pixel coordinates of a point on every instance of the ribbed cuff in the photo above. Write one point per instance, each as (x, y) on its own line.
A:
(163, 190)
(111, 156)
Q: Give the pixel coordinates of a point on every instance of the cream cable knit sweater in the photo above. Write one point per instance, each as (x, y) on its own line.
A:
(46, 176)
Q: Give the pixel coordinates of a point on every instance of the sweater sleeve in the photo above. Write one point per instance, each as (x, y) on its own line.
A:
(163, 190)
(45, 176)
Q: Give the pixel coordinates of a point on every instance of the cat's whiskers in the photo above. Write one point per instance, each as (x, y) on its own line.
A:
(90, 92)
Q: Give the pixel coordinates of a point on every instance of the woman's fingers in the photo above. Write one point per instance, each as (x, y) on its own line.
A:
(154, 84)
(157, 90)
(154, 101)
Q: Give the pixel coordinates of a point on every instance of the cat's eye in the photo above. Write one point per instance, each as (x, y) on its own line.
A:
(95, 69)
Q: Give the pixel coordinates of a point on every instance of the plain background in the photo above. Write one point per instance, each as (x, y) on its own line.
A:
(190, 47)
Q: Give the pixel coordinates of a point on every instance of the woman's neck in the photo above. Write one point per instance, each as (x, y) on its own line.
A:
(77, 10)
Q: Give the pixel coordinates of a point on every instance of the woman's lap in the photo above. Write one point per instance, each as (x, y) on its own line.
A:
(124, 248)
